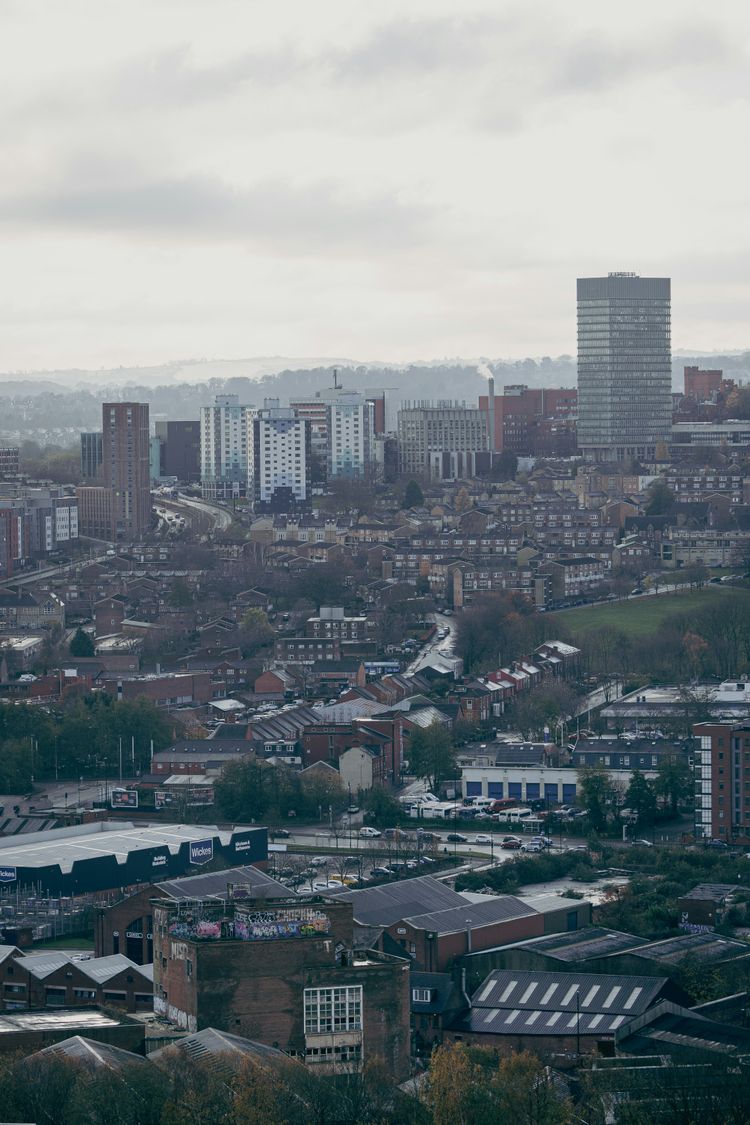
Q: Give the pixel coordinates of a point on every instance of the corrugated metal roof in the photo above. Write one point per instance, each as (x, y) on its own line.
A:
(248, 882)
(89, 1051)
(580, 945)
(223, 1051)
(607, 993)
(472, 915)
(63, 847)
(705, 947)
(382, 906)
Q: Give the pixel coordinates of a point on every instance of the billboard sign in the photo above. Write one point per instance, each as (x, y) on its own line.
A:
(162, 798)
(7, 874)
(124, 799)
(201, 851)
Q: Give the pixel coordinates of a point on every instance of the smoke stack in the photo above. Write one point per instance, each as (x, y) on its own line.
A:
(491, 405)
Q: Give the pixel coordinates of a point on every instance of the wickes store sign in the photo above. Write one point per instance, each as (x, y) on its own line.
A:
(201, 851)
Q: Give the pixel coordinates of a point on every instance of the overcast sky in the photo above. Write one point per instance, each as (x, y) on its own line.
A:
(400, 180)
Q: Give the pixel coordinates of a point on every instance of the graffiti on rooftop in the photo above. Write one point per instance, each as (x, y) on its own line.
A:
(253, 925)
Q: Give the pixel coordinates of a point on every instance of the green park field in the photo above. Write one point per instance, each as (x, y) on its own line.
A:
(639, 617)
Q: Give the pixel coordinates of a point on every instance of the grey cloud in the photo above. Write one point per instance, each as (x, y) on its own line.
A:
(597, 63)
(407, 47)
(172, 77)
(292, 219)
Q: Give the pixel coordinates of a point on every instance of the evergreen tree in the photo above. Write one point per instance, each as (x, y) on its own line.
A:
(81, 644)
(413, 496)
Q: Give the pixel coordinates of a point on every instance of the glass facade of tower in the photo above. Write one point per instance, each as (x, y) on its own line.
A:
(624, 366)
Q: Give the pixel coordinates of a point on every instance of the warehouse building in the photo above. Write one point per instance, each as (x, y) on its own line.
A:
(105, 855)
(551, 1013)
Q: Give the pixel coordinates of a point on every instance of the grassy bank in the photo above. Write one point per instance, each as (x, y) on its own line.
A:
(638, 617)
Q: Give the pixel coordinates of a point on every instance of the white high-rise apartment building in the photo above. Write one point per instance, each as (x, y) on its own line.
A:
(281, 456)
(226, 448)
(342, 430)
(350, 428)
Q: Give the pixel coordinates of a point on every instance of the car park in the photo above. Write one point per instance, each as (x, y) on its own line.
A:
(370, 833)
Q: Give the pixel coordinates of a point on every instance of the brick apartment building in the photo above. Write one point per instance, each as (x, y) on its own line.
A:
(183, 688)
(532, 419)
(284, 974)
(722, 781)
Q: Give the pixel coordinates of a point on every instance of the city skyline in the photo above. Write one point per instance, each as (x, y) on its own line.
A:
(195, 181)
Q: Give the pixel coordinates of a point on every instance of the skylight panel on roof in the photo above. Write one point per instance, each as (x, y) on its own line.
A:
(553, 1019)
(507, 991)
(549, 993)
(533, 1018)
(527, 992)
(485, 991)
(596, 1021)
(512, 1016)
(616, 1022)
(632, 998)
(590, 995)
(613, 993)
(569, 994)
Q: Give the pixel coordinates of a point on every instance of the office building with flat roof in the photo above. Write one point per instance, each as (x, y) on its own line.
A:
(624, 367)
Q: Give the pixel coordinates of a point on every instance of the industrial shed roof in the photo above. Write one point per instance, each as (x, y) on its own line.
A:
(247, 882)
(382, 906)
(62, 847)
(539, 1003)
(471, 915)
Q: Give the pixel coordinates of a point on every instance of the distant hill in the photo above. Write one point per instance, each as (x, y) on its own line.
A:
(52, 407)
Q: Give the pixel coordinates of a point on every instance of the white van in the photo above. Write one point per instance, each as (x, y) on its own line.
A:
(518, 815)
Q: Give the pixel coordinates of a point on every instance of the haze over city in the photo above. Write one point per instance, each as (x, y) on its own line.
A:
(224, 180)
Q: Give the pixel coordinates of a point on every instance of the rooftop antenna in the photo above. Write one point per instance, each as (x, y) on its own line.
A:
(335, 378)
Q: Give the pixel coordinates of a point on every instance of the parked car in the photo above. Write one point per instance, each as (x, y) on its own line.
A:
(545, 841)
(532, 846)
(483, 838)
(644, 843)
(319, 861)
(328, 885)
(511, 843)
(370, 833)
(425, 859)
(279, 833)
(353, 809)
(380, 872)
(428, 837)
(457, 838)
